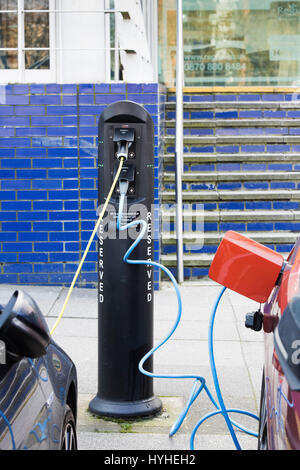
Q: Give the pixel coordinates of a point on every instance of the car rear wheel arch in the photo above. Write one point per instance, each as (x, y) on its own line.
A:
(263, 418)
(68, 439)
(71, 400)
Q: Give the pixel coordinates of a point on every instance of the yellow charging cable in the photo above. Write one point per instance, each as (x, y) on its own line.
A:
(122, 159)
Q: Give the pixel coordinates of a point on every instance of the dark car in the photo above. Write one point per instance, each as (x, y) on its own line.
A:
(38, 382)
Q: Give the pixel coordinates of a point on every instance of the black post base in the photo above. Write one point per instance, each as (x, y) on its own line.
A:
(133, 409)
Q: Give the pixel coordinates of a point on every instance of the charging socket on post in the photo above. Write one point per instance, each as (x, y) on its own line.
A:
(124, 138)
(127, 174)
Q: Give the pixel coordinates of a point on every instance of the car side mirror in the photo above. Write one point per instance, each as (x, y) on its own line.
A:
(23, 328)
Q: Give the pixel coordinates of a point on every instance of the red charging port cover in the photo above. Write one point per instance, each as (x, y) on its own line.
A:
(246, 267)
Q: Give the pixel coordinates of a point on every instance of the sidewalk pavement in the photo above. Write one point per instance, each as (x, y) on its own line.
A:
(238, 356)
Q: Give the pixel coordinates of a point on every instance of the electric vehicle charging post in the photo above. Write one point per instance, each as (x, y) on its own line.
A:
(125, 387)
(125, 292)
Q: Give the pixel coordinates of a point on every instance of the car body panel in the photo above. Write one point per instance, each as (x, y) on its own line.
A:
(283, 404)
(33, 395)
(19, 388)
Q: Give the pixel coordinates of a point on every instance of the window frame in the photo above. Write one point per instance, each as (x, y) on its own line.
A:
(22, 75)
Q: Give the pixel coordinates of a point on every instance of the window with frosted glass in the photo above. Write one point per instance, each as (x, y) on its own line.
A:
(233, 42)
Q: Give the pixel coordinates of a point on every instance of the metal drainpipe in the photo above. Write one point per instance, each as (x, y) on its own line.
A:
(179, 141)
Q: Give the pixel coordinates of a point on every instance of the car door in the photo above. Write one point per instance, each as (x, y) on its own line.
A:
(24, 415)
(54, 410)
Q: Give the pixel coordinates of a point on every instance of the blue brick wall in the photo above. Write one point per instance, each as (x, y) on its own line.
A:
(158, 175)
(48, 173)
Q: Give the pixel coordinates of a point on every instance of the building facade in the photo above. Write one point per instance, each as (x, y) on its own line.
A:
(63, 61)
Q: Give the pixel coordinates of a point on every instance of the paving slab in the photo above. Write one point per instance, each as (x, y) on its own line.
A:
(157, 442)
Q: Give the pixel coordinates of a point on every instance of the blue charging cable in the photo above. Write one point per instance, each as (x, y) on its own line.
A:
(5, 419)
(221, 408)
(199, 382)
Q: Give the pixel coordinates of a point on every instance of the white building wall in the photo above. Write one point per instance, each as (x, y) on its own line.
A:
(81, 31)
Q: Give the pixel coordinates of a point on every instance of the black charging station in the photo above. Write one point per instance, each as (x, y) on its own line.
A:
(125, 292)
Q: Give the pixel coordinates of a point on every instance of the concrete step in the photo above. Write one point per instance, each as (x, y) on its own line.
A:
(213, 195)
(214, 238)
(197, 260)
(232, 105)
(208, 157)
(251, 122)
(212, 176)
(232, 216)
(234, 139)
